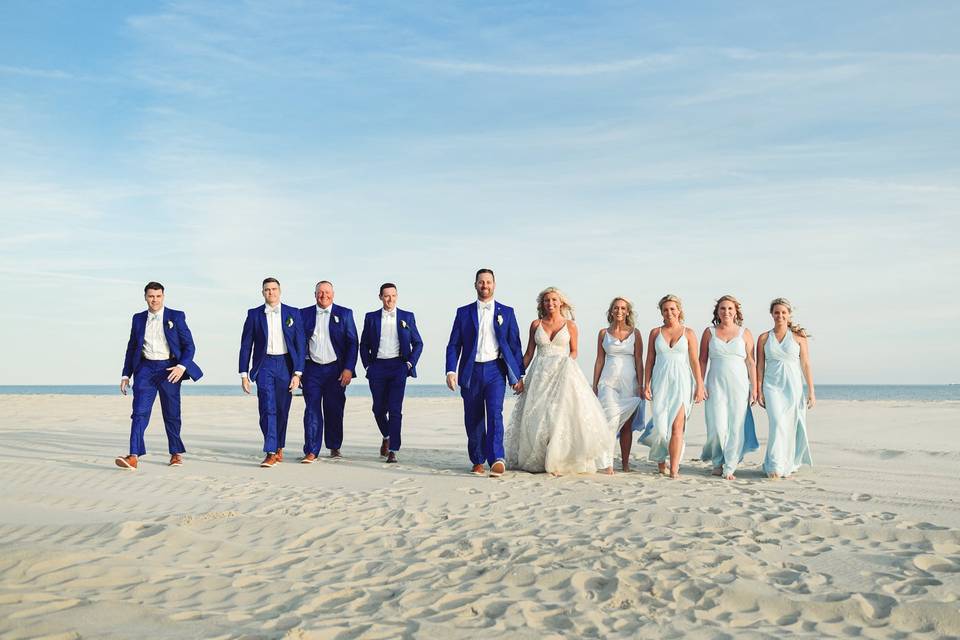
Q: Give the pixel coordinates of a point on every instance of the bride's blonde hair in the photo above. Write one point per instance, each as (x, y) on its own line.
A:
(566, 309)
(738, 318)
(793, 326)
(630, 320)
(671, 298)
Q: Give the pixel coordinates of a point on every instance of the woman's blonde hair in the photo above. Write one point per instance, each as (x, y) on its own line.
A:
(630, 320)
(738, 318)
(671, 298)
(566, 309)
(793, 326)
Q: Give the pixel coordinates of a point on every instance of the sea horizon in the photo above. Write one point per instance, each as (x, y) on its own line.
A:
(856, 392)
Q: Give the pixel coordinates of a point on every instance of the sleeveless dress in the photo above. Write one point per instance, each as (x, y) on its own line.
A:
(557, 424)
(783, 393)
(617, 390)
(730, 429)
(671, 386)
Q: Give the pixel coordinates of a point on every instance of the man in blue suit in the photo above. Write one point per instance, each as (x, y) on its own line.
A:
(331, 361)
(486, 341)
(273, 335)
(390, 347)
(159, 356)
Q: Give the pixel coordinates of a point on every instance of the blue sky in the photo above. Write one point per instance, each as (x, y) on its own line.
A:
(763, 149)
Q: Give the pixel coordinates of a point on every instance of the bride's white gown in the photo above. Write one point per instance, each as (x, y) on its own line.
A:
(557, 425)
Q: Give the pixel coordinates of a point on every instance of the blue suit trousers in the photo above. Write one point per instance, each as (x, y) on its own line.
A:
(483, 411)
(324, 400)
(388, 381)
(273, 398)
(149, 380)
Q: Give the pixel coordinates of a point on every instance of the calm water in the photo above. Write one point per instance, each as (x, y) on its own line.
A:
(922, 393)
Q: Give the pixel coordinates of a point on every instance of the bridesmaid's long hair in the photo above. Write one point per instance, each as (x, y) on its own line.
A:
(793, 326)
(671, 298)
(736, 303)
(630, 320)
(566, 309)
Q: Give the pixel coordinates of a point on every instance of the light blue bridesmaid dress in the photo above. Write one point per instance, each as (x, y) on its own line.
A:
(783, 393)
(730, 429)
(671, 387)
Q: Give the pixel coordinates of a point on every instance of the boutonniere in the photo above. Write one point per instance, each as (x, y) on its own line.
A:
(169, 324)
(336, 319)
(499, 319)
(289, 322)
(403, 323)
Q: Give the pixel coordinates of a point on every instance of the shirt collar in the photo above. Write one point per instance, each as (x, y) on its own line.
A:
(481, 305)
(322, 310)
(268, 309)
(388, 314)
(155, 316)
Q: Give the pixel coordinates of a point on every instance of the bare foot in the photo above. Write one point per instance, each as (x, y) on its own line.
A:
(626, 468)
(662, 468)
(729, 477)
(717, 471)
(674, 474)
(773, 476)
(608, 471)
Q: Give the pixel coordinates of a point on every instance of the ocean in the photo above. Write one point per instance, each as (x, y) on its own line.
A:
(905, 392)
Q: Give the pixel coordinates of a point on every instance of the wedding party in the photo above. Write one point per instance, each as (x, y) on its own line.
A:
(457, 320)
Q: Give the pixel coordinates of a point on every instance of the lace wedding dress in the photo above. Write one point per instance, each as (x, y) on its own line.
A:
(558, 424)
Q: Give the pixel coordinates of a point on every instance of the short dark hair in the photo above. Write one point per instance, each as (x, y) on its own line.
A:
(267, 281)
(322, 282)
(387, 285)
(482, 271)
(152, 285)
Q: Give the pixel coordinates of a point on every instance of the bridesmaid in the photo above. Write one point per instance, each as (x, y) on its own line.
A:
(618, 379)
(673, 370)
(782, 355)
(731, 382)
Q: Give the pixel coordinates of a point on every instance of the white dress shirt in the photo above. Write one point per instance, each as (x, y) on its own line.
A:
(276, 345)
(321, 348)
(389, 341)
(488, 348)
(155, 345)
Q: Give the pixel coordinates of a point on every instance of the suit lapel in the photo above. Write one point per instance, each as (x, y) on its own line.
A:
(142, 327)
(168, 332)
(263, 325)
(377, 319)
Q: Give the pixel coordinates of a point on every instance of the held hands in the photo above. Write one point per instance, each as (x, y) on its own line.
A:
(294, 383)
(452, 381)
(699, 394)
(753, 397)
(123, 385)
(245, 384)
(345, 378)
(517, 388)
(176, 372)
(760, 400)
(647, 395)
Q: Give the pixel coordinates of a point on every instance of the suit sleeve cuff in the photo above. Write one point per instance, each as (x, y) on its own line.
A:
(451, 373)
(243, 374)
(127, 378)
(298, 373)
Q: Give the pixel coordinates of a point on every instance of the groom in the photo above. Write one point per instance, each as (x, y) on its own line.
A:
(486, 341)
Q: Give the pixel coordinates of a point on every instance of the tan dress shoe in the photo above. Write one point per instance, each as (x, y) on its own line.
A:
(269, 460)
(279, 455)
(308, 459)
(497, 469)
(126, 462)
(176, 460)
(477, 470)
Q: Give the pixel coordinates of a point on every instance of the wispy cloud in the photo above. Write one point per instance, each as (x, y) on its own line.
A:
(642, 63)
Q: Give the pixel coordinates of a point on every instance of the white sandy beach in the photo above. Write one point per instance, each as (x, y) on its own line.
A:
(867, 543)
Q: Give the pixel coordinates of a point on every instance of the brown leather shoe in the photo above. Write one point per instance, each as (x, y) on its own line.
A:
(391, 456)
(126, 462)
(279, 455)
(335, 453)
(308, 459)
(497, 469)
(269, 460)
(176, 460)
(477, 470)
(384, 447)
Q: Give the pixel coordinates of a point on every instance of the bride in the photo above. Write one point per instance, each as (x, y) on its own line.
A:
(558, 424)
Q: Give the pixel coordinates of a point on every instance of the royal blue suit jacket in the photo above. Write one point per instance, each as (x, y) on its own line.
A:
(463, 342)
(179, 340)
(343, 334)
(254, 338)
(411, 345)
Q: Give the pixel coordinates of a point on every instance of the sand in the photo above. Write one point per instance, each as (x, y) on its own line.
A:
(867, 543)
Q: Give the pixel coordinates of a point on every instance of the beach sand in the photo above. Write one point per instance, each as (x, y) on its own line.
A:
(866, 543)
